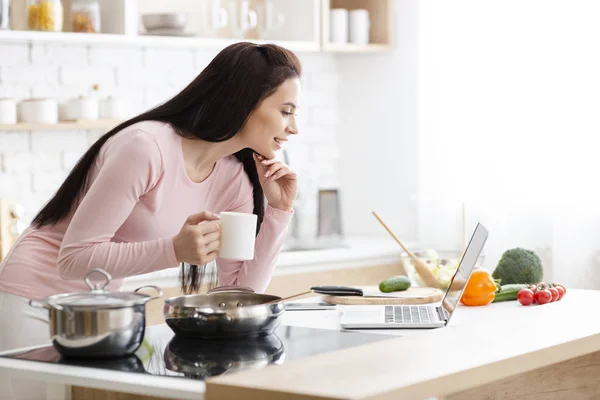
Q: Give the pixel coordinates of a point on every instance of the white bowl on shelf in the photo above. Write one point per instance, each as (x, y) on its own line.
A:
(162, 21)
(8, 111)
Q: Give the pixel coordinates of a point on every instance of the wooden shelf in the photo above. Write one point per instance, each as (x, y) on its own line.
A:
(381, 18)
(62, 126)
(356, 48)
(300, 35)
(142, 40)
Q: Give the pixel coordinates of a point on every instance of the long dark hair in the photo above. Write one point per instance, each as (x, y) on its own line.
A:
(213, 107)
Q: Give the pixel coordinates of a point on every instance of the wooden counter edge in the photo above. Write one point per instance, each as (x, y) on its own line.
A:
(334, 375)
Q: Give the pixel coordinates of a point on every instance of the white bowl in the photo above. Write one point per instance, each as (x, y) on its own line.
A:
(164, 21)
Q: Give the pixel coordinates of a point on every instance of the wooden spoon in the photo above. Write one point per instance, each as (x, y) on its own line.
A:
(287, 298)
(424, 272)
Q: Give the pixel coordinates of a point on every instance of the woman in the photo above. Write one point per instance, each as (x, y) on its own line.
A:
(147, 194)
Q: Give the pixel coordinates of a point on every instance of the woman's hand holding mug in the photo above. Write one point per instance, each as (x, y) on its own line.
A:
(206, 236)
(199, 240)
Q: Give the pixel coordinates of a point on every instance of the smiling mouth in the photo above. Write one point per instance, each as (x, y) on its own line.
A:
(279, 141)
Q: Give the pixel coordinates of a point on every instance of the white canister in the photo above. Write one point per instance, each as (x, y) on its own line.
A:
(359, 26)
(113, 108)
(82, 108)
(8, 111)
(39, 111)
(338, 25)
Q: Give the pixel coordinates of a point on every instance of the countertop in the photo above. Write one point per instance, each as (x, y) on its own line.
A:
(355, 252)
(480, 345)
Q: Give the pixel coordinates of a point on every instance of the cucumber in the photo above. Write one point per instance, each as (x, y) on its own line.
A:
(509, 292)
(395, 284)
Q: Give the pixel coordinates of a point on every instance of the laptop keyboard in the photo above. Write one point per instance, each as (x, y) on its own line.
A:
(408, 314)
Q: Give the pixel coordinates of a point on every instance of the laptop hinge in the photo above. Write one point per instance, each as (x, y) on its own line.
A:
(441, 313)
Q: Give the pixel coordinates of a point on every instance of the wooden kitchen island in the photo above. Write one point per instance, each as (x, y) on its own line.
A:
(500, 351)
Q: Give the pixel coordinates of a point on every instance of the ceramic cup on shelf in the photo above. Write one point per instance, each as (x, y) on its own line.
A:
(4, 14)
(113, 108)
(8, 111)
(269, 19)
(244, 17)
(216, 17)
(82, 108)
(338, 25)
(359, 26)
(38, 111)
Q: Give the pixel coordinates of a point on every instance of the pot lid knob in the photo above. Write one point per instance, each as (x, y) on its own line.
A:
(101, 286)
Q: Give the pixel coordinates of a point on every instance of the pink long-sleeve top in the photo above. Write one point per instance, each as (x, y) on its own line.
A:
(139, 198)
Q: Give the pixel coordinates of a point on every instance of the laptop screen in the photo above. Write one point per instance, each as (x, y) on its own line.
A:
(465, 267)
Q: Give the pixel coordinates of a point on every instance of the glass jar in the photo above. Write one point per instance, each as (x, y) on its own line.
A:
(45, 15)
(85, 16)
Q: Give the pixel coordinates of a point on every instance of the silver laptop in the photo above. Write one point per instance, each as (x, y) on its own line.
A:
(420, 316)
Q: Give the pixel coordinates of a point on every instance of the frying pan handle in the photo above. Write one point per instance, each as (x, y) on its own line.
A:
(337, 290)
(231, 288)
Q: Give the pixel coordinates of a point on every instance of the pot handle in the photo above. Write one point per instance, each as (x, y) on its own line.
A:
(231, 288)
(156, 296)
(99, 286)
(42, 304)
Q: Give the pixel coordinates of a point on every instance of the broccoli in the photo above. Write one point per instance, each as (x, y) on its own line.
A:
(519, 265)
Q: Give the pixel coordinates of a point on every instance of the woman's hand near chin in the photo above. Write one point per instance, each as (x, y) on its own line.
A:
(279, 182)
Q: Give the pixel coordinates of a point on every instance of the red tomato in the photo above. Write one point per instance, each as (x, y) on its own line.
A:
(525, 296)
(561, 291)
(562, 286)
(543, 296)
(555, 294)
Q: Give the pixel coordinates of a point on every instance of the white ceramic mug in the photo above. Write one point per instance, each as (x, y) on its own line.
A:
(215, 17)
(38, 111)
(8, 111)
(269, 19)
(113, 108)
(238, 235)
(245, 16)
(359, 26)
(338, 25)
(83, 108)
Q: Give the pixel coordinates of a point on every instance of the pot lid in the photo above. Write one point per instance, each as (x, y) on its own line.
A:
(100, 297)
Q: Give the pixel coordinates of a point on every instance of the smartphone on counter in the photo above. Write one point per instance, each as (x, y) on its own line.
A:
(317, 305)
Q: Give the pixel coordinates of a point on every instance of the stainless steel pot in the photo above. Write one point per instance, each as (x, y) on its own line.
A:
(225, 312)
(98, 323)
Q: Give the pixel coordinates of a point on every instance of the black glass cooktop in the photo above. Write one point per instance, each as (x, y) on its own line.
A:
(162, 353)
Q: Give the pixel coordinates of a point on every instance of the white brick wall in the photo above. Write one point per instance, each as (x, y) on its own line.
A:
(34, 164)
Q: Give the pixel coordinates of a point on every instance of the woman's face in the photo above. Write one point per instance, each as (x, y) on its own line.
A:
(273, 121)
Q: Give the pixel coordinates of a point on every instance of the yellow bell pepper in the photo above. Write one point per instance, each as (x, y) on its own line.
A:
(480, 289)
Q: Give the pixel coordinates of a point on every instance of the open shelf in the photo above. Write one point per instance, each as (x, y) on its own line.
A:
(356, 48)
(306, 26)
(62, 126)
(142, 40)
(381, 33)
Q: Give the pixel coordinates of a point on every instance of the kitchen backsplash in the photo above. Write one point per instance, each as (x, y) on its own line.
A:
(33, 164)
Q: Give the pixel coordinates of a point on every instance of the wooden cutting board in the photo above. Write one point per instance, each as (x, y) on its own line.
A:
(414, 295)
